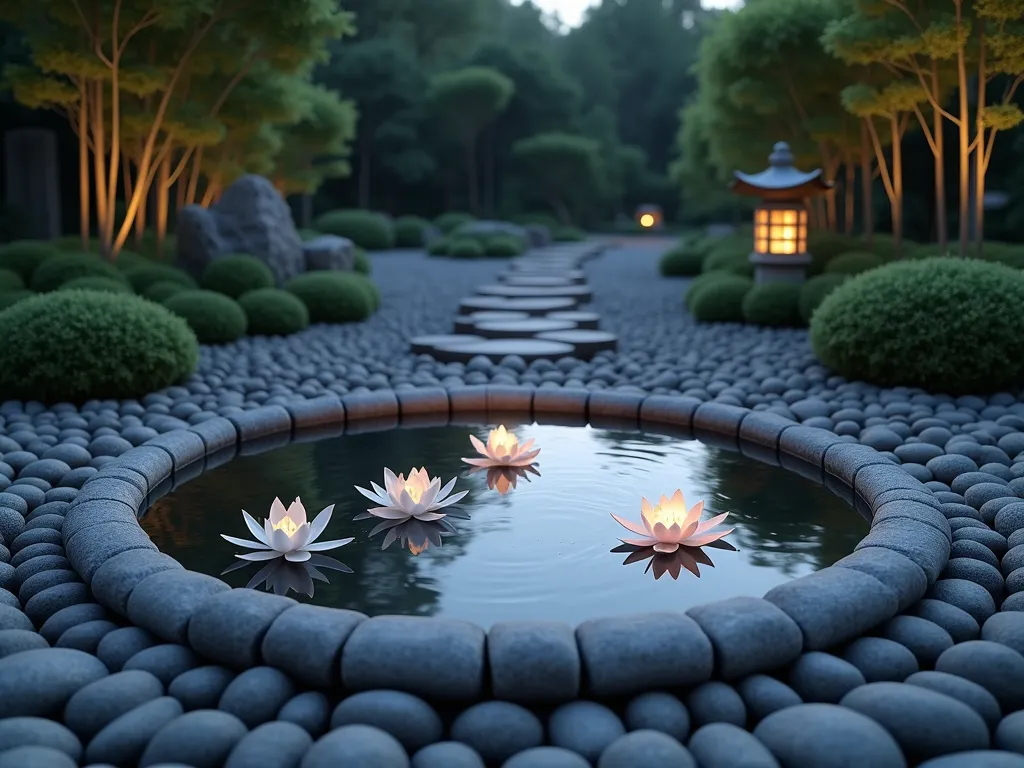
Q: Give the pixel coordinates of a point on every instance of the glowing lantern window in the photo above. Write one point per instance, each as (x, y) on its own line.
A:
(780, 230)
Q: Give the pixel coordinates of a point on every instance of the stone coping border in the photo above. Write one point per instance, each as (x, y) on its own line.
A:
(446, 660)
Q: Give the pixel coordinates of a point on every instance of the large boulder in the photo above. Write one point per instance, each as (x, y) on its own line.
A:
(329, 252)
(251, 217)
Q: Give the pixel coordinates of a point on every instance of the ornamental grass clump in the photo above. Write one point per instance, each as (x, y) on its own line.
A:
(947, 325)
(75, 345)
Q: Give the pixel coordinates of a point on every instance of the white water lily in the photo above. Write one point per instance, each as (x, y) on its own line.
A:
(419, 496)
(502, 450)
(286, 533)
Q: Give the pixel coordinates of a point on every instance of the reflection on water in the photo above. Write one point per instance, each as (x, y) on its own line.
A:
(504, 479)
(672, 563)
(283, 576)
(529, 550)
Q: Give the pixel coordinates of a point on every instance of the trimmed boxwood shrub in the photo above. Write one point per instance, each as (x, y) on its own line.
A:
(162, 290)
(814, 291)
(78, 345)
(568, 235)
(361, 262)
(130, 260)
(56, 271)
(25, 256)
(215, 318)
(273, 312)
(333, 297)
(10, 281)
(96, 283)
(698, 284)
(465, 248)
(367, 229)
(727, 255)
(449, 222)
(948, 325)
(409, 231)
(10, 298)
(775, 304)
(141, 278)
(439, 247)
(721, 300)
(236, 274)
(682, 261)
(853, 263)
(503, 247)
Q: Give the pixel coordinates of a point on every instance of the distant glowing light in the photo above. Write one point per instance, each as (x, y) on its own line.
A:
(647, 221)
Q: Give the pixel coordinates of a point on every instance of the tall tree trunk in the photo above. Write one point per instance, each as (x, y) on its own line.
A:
(941, 212)
(895, 204)
(180, 190)
(190, 192)
(471, 177)
(965, 138)
(867, 202)
(897, 182)
(162, 203)
(979, 152)
(83, 164)
(99, 168)
(365, 152)
(849, 179)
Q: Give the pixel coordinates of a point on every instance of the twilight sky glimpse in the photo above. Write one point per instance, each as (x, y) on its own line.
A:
(572, 11)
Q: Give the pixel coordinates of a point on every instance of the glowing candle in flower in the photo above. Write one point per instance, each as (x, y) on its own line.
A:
(502, 450)
(418, 496)
(669, 525)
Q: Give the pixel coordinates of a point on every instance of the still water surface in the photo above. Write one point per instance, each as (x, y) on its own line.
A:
(541, 550)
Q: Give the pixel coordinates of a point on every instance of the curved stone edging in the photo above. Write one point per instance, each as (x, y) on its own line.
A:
(891, 568)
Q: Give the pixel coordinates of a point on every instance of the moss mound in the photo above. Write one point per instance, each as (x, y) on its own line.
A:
(215, 318)
(947, 325)
(684, 260)
(409, 231)
(361, 262)
(25, 256)
(721, 300)
(853, 263)
(77, 345)
(56, 271)
(10, 281)
(10, 298)
(465, 248)
(367, 229)
(775, 304)
(272, 312)
(503, 247)
(439, 247)
(335, 297)
(814, 291)
(162, 290)
(96, 283)
(141, 278)
(449, 222)
(236, 274)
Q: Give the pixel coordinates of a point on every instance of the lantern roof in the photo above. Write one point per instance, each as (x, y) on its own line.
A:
(781, 180)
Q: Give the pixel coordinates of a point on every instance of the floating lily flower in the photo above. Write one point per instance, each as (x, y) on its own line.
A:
(504, 479)
(668, 526)
(286, 533)
(502, 450)
(672, 563)
(419, 497)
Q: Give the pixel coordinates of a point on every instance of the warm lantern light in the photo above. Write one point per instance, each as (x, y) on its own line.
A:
(647, 220)
(502, 450)
(648, 216)
(780, 220)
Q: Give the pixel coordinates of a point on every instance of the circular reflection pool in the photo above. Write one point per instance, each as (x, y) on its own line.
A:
(539, 550)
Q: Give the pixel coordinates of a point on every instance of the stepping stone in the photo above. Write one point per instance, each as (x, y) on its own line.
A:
(587, 343)
(425, 344)
(579, 292)
(513, 277)
(584, 320)
(531, 307)
(518, 329)
(466, 323)
(528, 349)
(537, 282)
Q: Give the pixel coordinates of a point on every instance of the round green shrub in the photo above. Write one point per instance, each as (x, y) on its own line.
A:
(236, 274)
(449, 222)
(721, 301)
(333, 297)
(697, 285)
(409, 231)
(10, 281)
(727, 255)
(78, 345)
(503, 247)
(361, 262)
(162, 290)
(465, 248)
(367, 229)
(25, 256)
(96, 283)
(775, 304)
(372, 292)
(130, 260)
(814, 291)
(681, 261)
(10, 298)
(824, 246)
(568, 235)
(215, 318)
(141, 278)
(439, 247)
(949, 325)
(853, 263)
(273, 312)
(56, 271)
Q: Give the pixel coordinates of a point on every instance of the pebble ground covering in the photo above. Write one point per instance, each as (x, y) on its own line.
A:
(941, 685)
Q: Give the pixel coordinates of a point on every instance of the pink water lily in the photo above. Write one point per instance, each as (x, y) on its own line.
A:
(669, 525)
(286, 533)
(502, 450)
(420, 496)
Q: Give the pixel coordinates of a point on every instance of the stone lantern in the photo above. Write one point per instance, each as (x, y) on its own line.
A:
(780, 219)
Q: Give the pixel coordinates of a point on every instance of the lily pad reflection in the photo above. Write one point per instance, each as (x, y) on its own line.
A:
(673, 563)
(283, 576)
(504, 479)
(415, 534)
